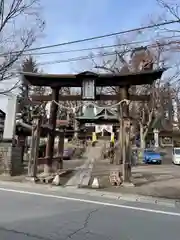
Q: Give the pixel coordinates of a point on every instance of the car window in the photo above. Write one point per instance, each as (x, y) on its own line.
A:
(177, 151)
(149, 151)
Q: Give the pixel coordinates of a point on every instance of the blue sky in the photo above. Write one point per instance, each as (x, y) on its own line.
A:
(68, 20)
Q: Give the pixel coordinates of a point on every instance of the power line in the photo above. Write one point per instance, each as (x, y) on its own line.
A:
(76, 59)
(100, 47)
(100, 36)
(86, 57)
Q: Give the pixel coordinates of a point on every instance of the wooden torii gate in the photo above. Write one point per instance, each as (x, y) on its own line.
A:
(58, 81)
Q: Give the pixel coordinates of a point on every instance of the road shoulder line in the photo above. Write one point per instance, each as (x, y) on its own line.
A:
(92, 192)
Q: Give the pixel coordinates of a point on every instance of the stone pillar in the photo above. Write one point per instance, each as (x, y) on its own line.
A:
(10, 120)
(51, 135)
(156, 138)
(10, 152)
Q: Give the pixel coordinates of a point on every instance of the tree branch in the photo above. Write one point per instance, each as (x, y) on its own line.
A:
(17, 34)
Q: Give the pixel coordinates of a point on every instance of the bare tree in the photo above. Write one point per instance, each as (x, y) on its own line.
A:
(20, 25)
(143, 58)
(171, 7)
(133, 59)
(171, 10)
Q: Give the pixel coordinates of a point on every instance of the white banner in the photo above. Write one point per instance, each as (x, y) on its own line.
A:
(101, 128)
(98, 128)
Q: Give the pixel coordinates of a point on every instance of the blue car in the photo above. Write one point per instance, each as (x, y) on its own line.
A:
(150, 156)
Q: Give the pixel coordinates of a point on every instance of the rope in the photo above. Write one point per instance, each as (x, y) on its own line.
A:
(92, 104)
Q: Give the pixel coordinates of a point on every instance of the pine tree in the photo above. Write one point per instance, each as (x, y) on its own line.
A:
(28, 65)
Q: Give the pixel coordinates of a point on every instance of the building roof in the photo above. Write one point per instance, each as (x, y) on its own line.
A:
(88, 113)
(75, 80)
(109, 112)
(103, 115)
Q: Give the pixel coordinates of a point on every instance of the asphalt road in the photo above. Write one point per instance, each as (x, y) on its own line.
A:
(52, 215)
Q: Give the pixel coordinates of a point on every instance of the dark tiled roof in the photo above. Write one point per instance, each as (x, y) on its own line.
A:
(2, 113)
(101, 113)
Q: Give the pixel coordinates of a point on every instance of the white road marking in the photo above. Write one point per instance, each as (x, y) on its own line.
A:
(91, 202)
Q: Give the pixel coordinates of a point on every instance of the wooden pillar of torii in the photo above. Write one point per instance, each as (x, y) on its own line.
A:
(51, 134)
(125, 135)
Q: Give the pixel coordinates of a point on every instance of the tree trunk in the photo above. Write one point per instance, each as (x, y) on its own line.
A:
(119, 160)
(142, 138)
(76, 128)
(36, 148)
(142, 143)
(61, 149)
(126, 152)
(30, 162)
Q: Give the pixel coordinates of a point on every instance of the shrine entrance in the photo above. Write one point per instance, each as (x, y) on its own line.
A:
(88, 82)
(100, 120)
(103, 130)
